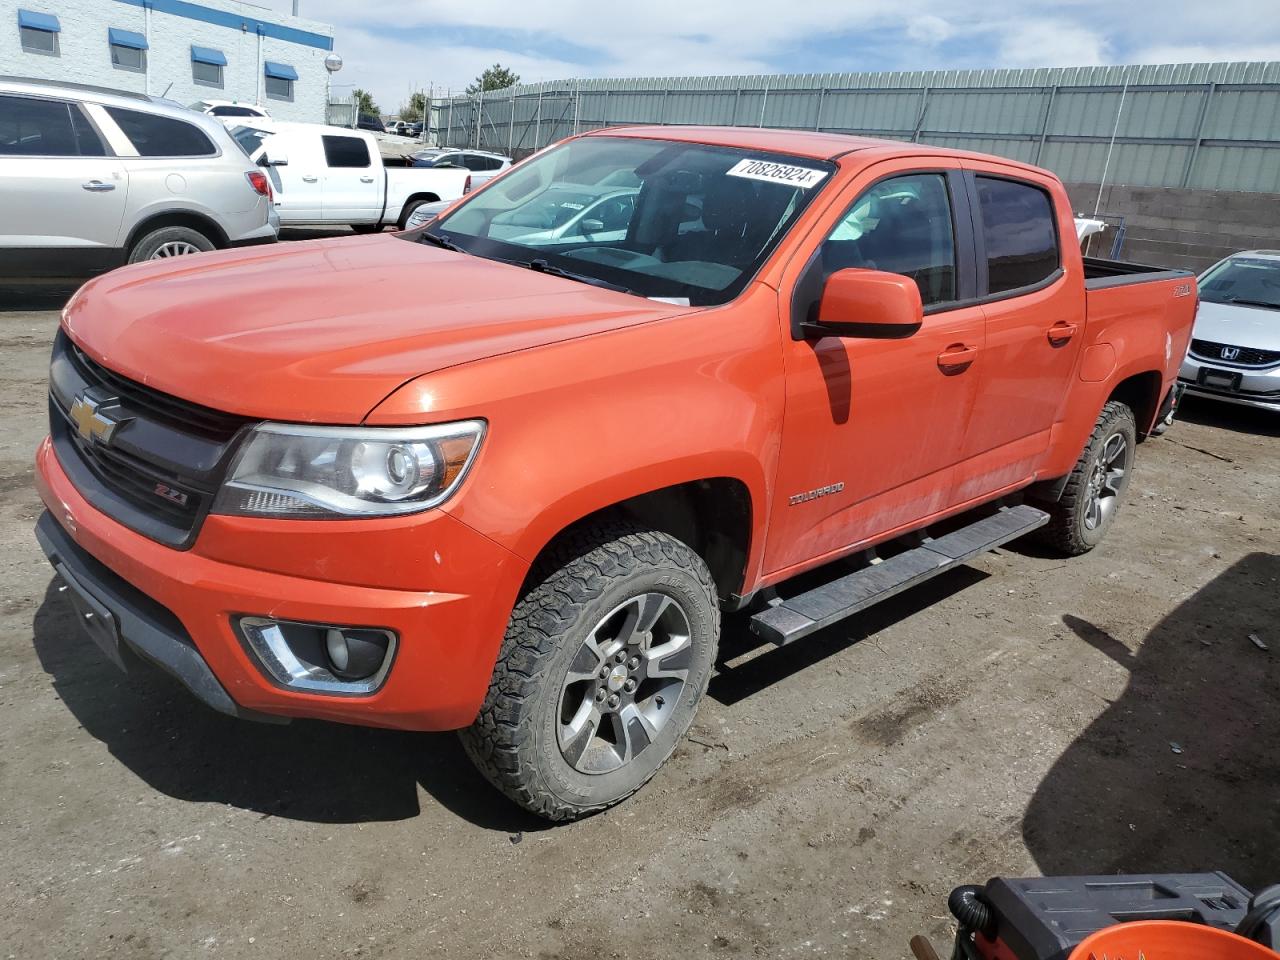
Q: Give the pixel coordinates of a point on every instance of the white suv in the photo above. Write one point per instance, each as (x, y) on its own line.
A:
(91, 179)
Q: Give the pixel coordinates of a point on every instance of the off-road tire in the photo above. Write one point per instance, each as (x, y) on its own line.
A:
(513, 741)
(148, 246)
(1066, 530)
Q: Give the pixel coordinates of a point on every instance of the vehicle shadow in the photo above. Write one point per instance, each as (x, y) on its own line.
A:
(1182, 772)
(36, 296)
(1227, 416)
(306, 770)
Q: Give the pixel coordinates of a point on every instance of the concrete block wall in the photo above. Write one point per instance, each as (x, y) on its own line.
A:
(1189, 229)
(84, 55)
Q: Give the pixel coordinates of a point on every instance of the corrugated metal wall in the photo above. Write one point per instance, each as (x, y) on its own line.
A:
(1202, 125)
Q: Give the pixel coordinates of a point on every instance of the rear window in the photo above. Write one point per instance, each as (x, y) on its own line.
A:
(249, 139)
(345, 152)
(1020, 234)
(156, 136)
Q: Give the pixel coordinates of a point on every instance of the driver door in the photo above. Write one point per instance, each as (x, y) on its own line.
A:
(873, 429)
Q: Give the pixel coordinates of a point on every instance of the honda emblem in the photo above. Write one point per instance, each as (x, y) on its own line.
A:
(1230, 353)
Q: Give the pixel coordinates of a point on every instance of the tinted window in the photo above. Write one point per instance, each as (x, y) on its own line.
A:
(36, 128)
(154, 136)
(278, 89)
(87, 138)
(345, 152)
(234, 112)
(208, 74)
(249, 139)
(128, 58)
(902, 225)
(38, 41)
(1018, 226)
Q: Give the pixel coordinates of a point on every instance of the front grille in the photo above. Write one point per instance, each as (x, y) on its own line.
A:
(160, 469)
(1243, 357)
(189, 417)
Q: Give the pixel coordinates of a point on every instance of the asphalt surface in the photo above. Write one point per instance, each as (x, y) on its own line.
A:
(1016, 716)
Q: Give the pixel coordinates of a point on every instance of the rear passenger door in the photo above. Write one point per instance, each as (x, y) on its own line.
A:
(352, 193)
(1034, 317)
(63, 195)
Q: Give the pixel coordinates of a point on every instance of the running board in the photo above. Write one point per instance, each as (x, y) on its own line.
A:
(806, 613)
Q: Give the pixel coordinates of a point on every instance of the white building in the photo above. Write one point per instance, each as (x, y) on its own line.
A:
(182, 50)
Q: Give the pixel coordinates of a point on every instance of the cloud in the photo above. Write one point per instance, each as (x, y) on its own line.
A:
(929, 29)
(391, 47)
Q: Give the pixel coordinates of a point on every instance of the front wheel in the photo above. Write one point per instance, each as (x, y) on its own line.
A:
(605, 660)
(1096, 486)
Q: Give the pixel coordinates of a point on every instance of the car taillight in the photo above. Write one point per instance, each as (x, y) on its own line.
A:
(466, 186)
(258, 180)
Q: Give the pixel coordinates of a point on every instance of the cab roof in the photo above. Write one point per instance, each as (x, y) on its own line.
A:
(801, 143)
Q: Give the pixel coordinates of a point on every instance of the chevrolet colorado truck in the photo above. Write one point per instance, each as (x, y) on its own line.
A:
(518, 507)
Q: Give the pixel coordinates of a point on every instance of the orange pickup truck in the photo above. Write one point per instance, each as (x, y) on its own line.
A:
(503, 473)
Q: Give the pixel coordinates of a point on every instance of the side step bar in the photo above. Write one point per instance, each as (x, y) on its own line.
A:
(806, 613)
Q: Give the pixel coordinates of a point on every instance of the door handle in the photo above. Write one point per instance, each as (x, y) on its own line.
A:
(1061, 332)
(956, 358)
(97, 186)
(310, 179)
(366, 179)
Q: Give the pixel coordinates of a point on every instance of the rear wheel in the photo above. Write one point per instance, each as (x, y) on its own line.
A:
(1096, 486)
(603, 665)
(169, 242)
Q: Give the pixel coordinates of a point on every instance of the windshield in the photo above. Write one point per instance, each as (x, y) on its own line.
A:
(1247, 281)
(679, 221)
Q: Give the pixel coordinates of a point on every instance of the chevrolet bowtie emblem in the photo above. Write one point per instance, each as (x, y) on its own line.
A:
(93, 419)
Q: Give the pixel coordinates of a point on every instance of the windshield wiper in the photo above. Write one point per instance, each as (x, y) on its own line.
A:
(442, 242)
(1254, 303)
(542, 266)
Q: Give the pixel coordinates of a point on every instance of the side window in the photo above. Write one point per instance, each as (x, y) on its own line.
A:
(345, 152)
(36, 128)
(615, 212)
(156, 136)
(902, 225)
(1019, 229)
(87, 138)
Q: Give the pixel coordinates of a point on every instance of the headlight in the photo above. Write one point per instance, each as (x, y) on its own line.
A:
(294, 470)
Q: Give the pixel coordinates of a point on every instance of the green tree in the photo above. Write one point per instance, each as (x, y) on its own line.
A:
(414, 109)
(365, 103)
(496, 77)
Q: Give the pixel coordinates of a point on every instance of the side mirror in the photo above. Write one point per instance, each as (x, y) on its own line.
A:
(867, 303)
(592, 226)
(274, 159)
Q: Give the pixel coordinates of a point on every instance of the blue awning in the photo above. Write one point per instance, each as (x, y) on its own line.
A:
(126, 38)
(208, 55)
(39, 21)
(281, 71)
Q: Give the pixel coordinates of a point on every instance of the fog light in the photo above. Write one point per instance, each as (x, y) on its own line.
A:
(318, 657)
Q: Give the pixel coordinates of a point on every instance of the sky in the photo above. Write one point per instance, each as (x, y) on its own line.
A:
(392, 49)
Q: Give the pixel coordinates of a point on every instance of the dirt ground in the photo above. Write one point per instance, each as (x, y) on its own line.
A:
(1015, 717)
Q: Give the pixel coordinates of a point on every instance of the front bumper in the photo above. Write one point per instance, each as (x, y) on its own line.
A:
(1247, 386)
(446, 591)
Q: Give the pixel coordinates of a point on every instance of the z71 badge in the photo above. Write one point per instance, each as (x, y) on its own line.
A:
(815, 494)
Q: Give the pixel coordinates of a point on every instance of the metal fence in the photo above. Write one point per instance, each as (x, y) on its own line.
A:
(1205, 125)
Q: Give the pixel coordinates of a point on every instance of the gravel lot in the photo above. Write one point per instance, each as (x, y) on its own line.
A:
(1016, 716)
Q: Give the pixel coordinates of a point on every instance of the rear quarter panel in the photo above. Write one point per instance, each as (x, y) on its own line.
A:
(1132, 329)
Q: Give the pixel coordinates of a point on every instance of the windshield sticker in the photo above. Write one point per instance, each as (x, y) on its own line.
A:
(766, 170)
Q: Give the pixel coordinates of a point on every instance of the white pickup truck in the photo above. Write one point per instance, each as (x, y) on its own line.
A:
(327, 176)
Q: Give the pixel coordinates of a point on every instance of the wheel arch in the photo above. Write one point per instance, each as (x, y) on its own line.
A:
(424, 196)
(178, 218)
(713, 515)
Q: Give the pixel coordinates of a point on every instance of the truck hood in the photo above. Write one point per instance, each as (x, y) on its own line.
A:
(323, 330)
(1238, 326)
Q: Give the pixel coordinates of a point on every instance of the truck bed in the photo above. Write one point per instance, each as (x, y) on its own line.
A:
(1100, 274)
